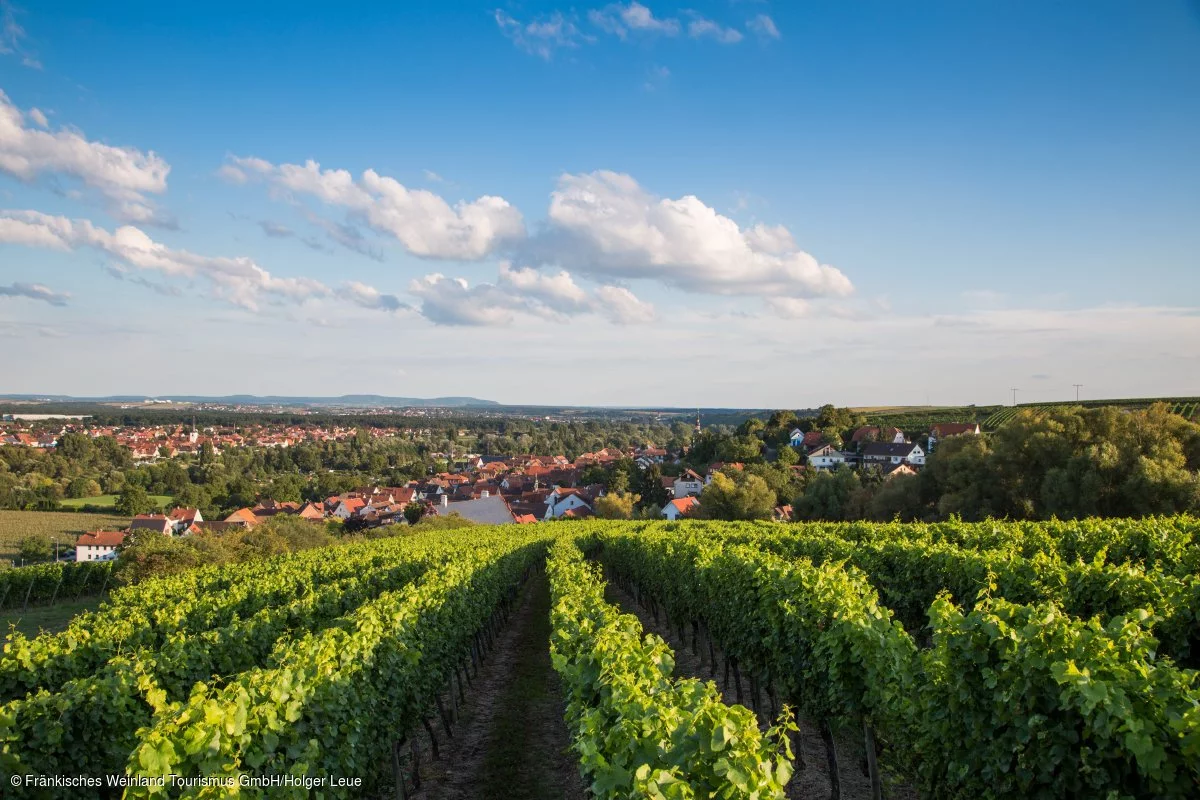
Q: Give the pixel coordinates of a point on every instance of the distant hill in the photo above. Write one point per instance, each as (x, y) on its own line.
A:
(353, 400)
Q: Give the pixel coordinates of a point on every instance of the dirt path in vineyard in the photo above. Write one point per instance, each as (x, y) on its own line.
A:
(809, 783)
(511, 741)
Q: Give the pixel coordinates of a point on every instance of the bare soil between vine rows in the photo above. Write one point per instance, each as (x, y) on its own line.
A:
(511, 741)
(813, 780)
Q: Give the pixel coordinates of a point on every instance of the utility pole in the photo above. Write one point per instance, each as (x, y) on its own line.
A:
(1014, 391)
(1077, 386)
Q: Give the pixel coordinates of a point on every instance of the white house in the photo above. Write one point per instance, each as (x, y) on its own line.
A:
(560, 501)
(349, 507)
(826, 457)
(184, 518)
(689, 483)
(796, 437)
(98, 545)
(684, 506)
(882, 453)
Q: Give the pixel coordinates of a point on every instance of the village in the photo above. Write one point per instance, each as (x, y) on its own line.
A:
(517, 489)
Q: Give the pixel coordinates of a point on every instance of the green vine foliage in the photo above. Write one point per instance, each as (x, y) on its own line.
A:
(640, 733)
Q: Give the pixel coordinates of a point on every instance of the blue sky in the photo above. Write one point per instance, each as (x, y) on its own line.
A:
(716, 203)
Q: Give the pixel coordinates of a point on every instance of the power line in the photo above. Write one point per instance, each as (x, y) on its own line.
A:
(1077, 386)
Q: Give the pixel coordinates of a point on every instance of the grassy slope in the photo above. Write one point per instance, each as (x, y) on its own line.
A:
(108, 500)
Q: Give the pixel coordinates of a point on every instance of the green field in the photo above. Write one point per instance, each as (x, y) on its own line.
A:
(65, 525)
(109, 500)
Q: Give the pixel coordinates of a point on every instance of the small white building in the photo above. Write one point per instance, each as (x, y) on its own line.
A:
(560, 501)
(683, 507)
(98, 545)
(826, 457)
(689, 483)
(884, 453)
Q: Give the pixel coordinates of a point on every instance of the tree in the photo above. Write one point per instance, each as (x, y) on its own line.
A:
(35, 547)
(743, 496)
(413, 513)
(148, 553)
(76, 447)
(616, 506)
(132, 501)
(827, 495)
(649, 486)
(787, 456)
(83, 487)
(286, 488)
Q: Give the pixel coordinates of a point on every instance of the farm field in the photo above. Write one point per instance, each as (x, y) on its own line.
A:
(109, 500)
(65, 525)
(913, 659)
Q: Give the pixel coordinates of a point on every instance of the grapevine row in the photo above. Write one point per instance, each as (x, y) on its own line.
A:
(638, 731)
(147, 615)
(335, 702)
(1010, 700)
(49, 732)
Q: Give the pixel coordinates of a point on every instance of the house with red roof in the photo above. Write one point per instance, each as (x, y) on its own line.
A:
(98, 545)
(680, 507)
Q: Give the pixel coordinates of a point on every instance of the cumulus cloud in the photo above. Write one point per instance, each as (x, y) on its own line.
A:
(702, 28)
(123, 175)
(604, 224)
(452, 301)
(420, 220)
(622, 306)
(622, 19)
(369, 297)
(523, 290)
(540, 37)
(555, 290)
(764, 27)
(238, 280)
(35, 291)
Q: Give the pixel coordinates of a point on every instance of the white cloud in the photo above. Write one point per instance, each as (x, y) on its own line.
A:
(422, 221)
(622, 19)
(35, 291)
(231, 174)
(39, 118)
(452, 301)
(430, 175)
(238, 280)
(702, 28)
(764, 26)
(622, 306)
(369, 297)
(124, 175)
(604, 224)
(556, 290)
(541, 37)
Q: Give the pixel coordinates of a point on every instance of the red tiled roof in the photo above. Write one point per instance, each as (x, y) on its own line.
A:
(101, 539)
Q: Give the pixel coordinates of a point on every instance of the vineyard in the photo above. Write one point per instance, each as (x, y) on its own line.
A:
(1186, 407)
(946, 660)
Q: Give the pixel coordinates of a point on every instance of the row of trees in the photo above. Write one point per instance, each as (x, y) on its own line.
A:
(1063, 462)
